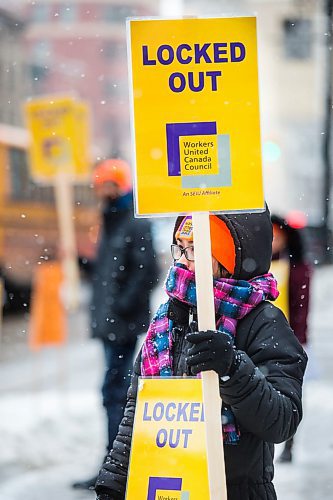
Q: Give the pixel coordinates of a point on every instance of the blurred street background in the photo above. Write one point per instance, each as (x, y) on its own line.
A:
(51, 420)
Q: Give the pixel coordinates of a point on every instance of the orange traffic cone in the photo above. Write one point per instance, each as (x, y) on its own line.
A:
(47, 325)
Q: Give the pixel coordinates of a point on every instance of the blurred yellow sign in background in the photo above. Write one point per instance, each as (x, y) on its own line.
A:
(281, 270)
(59, 128)
(195, 115)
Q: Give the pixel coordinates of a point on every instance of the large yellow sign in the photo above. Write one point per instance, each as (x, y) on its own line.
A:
(59, 137)
(168, 453)
(195, 115)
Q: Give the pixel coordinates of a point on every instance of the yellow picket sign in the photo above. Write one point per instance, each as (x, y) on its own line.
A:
(81, 151)
(59, 137)
(59, 155)
(195, 115)
(280, 269)
(168, 453)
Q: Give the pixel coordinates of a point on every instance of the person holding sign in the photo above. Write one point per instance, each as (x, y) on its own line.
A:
(123, 275)
(258, 359)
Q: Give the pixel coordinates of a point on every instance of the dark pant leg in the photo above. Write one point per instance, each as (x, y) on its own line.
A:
(289, 443)
(119, 363)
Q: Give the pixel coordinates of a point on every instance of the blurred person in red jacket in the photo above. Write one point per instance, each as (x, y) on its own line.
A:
(288, 245)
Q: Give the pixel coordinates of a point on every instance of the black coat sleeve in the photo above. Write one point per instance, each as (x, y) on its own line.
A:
(112, 477)
(265, 392)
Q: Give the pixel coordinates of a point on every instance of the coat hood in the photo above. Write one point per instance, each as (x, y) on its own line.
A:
(252, 234)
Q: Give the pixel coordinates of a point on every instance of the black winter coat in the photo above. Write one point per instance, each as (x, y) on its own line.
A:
(123, 275)
(264, 394)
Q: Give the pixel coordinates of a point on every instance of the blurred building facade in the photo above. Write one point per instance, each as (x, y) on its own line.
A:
(292, 47)
(79, 47)
(14, 80)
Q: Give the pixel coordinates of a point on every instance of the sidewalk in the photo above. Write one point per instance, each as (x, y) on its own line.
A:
(52, 422)
(309, 477)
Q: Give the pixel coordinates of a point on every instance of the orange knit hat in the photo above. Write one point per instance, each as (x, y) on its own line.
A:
(223, 245)
(113, 170)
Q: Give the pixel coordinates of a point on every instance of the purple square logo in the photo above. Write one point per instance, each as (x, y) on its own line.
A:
(176, 130)
(163, 483)
(197, 163)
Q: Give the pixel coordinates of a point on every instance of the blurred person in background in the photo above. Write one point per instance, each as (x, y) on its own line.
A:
(288, 246)
(123, 275)
(259, 361)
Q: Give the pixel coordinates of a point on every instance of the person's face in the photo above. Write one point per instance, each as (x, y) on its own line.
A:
(107, 189)
(190, 264)
(279, 240)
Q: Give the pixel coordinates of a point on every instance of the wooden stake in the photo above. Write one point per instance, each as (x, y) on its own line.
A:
(64, 202)
(210, 382)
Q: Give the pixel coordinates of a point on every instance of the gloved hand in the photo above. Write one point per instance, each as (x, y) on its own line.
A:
(211, 350)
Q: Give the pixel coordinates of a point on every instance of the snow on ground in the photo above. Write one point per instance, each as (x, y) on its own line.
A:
(52, 423)
(48, 440)
(309, 477)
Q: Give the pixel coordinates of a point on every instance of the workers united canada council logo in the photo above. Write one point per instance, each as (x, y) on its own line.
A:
(166, 488)
(198, 155)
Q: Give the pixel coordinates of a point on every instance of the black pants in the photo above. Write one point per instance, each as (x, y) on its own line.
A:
(119, 363)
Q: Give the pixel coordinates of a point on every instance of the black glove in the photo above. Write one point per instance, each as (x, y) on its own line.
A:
(211, 351)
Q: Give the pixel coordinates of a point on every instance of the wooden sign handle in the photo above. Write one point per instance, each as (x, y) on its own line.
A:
(64, 202)
(210, 382)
